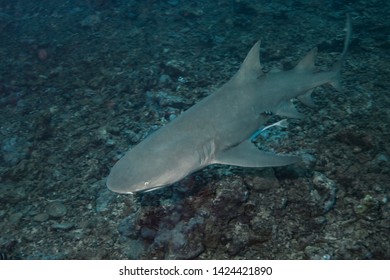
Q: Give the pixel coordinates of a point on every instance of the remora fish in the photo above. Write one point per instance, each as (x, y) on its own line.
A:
(218, 129)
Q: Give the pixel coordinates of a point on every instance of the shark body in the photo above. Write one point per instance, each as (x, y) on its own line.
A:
(218, 129)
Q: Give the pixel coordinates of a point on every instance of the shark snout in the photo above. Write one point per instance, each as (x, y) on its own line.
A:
(130, 176)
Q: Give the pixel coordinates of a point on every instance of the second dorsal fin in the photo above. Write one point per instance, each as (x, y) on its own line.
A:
(307, 63)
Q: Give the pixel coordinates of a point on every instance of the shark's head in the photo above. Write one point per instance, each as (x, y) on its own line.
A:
(141, 170)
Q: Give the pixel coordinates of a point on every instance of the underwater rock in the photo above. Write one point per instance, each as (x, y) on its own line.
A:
(15, 149)
(229, 197)
(104, 199)
(245, 8)
(262, 225)
(62, 226)
(164, 80)
(56, 209)
(212, 237)
(316, 253)
(91, 21)
(3, 256)
(42, 256)
(379, 164)
(324, 192)
(368, 208)
(8, 244)
(165, 105)
(351, 136)
(175, 68)
(133, 249)
(263, 181)
(173, 2)
(13, 98)
(192, 13)
(15, 217)
(42, 217)
(129, 227)
(11, 194)
(42, 126)
(184, 241)
(237, 238)
(170, 100)
(148, 233)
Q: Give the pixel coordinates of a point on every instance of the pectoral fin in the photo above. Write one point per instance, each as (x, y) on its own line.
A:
(247, 154)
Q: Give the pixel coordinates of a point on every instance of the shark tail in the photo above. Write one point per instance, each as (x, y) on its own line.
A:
(336, 69)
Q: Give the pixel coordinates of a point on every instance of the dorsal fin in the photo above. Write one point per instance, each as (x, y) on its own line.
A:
(251, 67)
(307, 63)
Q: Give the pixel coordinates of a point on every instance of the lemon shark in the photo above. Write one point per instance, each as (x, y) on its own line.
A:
(218, 129)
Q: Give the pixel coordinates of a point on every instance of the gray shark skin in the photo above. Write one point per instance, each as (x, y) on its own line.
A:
(217, 129)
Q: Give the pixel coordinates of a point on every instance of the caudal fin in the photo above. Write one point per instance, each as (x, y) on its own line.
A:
(348, 35)
(337, 66)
